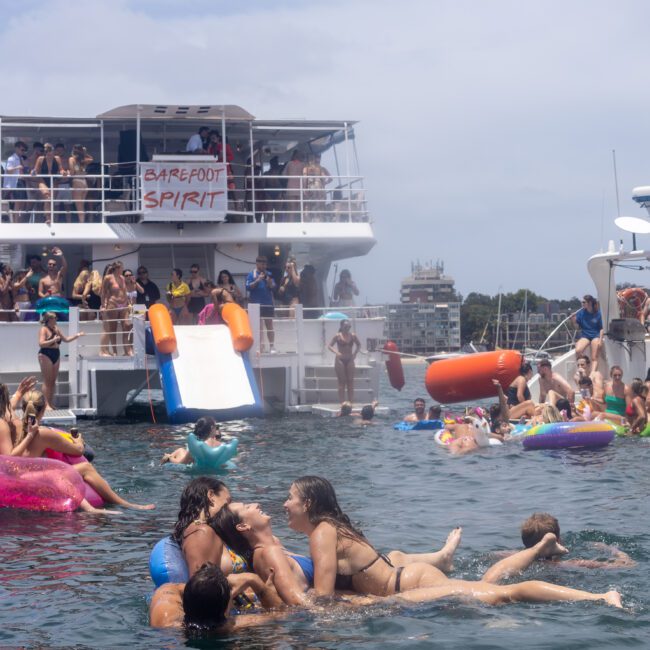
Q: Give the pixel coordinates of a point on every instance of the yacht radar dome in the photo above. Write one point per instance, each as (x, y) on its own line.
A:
(642, 196)
(634, 225)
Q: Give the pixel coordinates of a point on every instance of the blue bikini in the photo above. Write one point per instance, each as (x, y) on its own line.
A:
(307, 566)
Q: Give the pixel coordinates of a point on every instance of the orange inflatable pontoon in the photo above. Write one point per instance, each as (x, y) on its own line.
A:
(394, 365)
(162, 328)
(240, 328)
(469, 377)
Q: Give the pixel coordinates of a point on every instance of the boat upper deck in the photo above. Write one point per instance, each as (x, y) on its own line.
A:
(179, 165)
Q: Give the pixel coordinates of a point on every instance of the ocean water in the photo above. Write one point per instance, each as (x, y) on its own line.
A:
(81, 581)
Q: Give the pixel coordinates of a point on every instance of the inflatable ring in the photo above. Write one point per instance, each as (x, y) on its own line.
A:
(569, 435)
(206, 457)
(167, 564)
(634, 297)
(39, 484)
(90, 495)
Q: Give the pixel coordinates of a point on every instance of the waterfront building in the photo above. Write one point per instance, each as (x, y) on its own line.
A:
(427, 318)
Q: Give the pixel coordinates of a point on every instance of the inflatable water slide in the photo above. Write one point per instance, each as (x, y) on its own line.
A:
(205, 370)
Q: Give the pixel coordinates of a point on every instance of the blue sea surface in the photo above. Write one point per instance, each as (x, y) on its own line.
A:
(78, 581)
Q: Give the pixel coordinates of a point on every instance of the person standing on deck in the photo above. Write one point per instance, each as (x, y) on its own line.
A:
(260, 285)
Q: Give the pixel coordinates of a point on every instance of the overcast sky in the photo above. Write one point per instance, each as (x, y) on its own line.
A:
(486, 127)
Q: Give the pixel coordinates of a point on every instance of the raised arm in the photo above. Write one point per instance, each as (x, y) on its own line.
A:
(322, 547)
(67, 339)
(504, 411)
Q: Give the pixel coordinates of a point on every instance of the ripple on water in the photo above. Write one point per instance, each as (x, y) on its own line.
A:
(74, 579)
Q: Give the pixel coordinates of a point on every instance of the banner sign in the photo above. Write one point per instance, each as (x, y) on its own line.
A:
(177, 191)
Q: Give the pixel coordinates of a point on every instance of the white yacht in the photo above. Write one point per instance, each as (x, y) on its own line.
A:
(626, 341)
(151, 203)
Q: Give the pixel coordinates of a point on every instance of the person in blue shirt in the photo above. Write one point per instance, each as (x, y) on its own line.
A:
(590, 322)
(260, 286)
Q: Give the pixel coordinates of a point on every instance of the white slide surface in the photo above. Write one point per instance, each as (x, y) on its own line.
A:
(209, 372)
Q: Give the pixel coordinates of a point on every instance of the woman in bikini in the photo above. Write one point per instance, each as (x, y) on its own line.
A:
(77, 164)
(133, 288)
(194, 532)
(114, 308)
(49, 355)
(198, 292)
(617, 396)
(48, 168)
(246, 529)
(178, 296)
(28, 438)
(345, 340)
(344, 559)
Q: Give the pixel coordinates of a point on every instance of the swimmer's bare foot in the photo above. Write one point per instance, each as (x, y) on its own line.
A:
(447, 551)
(549, 546)
(613, 598)
(137, 506)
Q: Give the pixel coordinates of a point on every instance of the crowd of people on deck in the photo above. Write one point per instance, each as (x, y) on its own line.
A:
(284, 192)
(116, 293)
(47, 180)
(57, 181)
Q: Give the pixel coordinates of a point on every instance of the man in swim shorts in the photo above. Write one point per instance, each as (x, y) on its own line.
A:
(419, 413)
(584, 369)
(551, 385)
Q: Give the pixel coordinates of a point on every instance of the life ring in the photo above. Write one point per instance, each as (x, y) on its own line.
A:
(39, 484)
(569, 435)
(394, 365)
(469, 377)
(167, 563)
(634, 298)
(206, 457)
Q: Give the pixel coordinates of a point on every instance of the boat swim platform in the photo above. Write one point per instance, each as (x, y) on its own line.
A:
(332, 410)
(55, 417)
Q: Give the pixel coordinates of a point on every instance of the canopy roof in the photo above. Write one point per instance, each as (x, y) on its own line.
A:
(207, 112)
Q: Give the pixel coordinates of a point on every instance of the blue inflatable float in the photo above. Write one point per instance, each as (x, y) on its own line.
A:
(206, 457)
(167, 564)
(420, 424)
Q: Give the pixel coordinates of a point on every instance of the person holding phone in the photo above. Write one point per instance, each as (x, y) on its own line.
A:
(260, 285)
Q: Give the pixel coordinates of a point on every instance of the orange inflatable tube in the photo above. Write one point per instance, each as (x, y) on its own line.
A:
(240, 328)
(394, 365)
(469, 377)
(162, 329)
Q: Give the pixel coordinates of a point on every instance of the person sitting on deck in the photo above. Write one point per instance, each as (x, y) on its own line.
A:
(590, 322)
(584, 369)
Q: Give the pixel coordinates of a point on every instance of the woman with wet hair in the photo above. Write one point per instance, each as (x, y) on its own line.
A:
(344, 559)
(194, 531)
(205, 429)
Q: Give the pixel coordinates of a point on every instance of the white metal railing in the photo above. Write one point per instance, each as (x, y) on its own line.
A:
(119, 197)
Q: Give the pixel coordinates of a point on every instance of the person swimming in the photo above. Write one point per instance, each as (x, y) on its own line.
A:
(205, 429)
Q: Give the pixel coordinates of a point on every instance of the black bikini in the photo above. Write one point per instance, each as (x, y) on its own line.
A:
(53, 354)
(344, 581)
(53, 170)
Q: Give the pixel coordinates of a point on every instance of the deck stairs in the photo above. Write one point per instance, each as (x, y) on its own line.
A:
(320, 386)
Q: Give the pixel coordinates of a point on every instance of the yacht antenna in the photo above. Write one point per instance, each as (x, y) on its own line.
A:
(618, 204)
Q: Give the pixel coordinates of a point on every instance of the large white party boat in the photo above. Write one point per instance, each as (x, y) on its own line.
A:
(150, 202)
